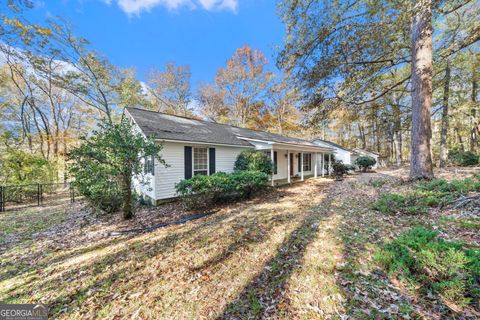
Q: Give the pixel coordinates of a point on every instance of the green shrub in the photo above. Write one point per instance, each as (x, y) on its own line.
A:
(459, 187)
(463, 158)
(377, 183)
(349, 167)
(339, 169)
(22, 167)
(104, 164)
(365, 163)
(254, 160)
(434, 193)
(391, 203)
(200, 190)
(102, 190)
(420, 257)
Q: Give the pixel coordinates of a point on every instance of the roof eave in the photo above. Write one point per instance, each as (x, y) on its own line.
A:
(286, 144)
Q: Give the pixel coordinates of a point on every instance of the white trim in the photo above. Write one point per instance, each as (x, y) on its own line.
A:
(273, 162)
(323, 164)
(297, 145)
(301, 158)
(329, 164)
(289, 164)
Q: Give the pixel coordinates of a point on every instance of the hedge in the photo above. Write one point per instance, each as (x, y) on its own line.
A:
(201, 190)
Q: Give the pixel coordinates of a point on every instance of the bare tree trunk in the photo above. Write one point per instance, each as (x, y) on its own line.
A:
(459, 138)
(361, 130)
(444, 131)
(397, 134)
(421, 166)
(127, 196)
(377, 132)
(473, 112)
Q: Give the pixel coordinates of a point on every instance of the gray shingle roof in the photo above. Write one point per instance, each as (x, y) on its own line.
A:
(333, 144)
(169, 127)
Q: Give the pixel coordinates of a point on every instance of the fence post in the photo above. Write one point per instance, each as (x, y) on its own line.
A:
(38, 194)
(41, 194)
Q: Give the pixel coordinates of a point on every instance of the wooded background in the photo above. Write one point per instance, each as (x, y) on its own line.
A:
(346, 76)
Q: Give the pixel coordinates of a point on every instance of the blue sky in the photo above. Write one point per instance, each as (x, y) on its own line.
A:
(147, 33)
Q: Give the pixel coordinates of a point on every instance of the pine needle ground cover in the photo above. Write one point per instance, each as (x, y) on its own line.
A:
(307, 251)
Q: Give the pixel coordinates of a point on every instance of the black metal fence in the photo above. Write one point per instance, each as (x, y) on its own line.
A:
(26, 195)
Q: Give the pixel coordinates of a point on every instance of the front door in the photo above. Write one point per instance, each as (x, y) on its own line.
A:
(291, 164)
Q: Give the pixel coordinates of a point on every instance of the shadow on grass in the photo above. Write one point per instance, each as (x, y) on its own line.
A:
(121, 264)
(261, 298)
(368, 291)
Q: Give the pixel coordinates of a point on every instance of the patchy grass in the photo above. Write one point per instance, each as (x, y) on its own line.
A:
(299, 252)
(429, 263)
(22, 224)
(434, 193)
(465, 223)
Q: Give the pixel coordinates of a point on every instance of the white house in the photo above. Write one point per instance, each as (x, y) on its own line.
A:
(347, 156)
(192, 147)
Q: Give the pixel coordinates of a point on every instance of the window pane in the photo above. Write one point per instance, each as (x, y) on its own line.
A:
(200, 160)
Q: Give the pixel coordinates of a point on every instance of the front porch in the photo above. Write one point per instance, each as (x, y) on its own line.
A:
(296, 163)
(283, 182)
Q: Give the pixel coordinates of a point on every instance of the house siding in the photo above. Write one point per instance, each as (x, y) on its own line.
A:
(226, 157)
(173, 154)
(282, 164)
(340, 154)
(343, 155)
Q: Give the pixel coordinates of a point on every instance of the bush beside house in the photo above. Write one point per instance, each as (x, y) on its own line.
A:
(201, 190)
(365, 163)
(253, 160)
(104, 164)
(339, 169)
(251, 171)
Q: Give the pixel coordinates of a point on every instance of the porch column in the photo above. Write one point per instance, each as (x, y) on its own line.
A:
(323, 164)
(329, 164)
(316, 163)
(273, 162)
(301, 165)
(288, 166)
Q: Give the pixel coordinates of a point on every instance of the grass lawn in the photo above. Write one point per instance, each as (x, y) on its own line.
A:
(298, 252)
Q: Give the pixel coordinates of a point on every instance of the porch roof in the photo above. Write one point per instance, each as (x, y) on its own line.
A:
(269, 145)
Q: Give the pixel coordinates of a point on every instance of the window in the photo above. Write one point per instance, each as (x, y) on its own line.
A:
(200, 161)
(307, 162)
(149, 165)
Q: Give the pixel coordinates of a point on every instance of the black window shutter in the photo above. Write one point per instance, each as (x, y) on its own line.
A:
(188, 162)
(211, 160)
(275, 162)
(300, 162)
(153, 165)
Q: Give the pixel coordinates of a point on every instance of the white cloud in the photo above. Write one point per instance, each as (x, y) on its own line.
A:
(135, 7)
(219, 4)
